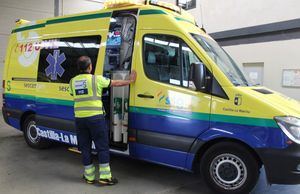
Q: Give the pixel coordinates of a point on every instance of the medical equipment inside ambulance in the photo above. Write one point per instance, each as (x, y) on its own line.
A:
(119, 48)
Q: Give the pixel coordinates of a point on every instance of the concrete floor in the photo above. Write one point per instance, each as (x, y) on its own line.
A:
(56, 170)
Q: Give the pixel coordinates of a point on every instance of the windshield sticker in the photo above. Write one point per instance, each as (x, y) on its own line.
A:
(55, 62)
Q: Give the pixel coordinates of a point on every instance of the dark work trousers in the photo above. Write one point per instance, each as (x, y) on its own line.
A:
(93, 128)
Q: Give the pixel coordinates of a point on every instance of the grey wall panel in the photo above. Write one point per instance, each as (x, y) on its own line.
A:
(259, 29)
(232, 14)
(78, 6)
(257, 38)
(3, 43)
(284, 30)
(36, 6)
(9, 15)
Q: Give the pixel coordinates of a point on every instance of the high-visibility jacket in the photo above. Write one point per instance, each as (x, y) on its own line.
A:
(87, 91)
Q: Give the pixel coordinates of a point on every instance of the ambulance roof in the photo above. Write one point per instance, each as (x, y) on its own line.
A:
(110, 6)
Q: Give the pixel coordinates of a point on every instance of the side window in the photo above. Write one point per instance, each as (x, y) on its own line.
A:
(188, 57)
(167, 59)
(162, 58)
(58, 57)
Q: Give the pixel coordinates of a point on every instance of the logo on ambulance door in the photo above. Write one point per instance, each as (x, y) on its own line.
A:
(55, 61)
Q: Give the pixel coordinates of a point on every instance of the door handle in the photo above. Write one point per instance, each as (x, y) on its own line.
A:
(145, 96)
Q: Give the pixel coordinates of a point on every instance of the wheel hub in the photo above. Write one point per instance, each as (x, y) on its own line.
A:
(32, 132)
(228, 171)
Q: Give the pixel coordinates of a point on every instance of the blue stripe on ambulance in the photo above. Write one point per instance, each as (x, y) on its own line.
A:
(255, 136)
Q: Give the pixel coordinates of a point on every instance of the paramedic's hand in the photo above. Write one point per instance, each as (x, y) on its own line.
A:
(132, 76)
(118, 83)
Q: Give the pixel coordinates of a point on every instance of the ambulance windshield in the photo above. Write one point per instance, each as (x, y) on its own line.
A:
(223, 60)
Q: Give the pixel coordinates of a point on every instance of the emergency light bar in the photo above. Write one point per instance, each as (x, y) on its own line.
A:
(21, 21)
(165, 5)
(122, 3)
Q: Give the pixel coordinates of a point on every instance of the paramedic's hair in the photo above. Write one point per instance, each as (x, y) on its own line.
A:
(83, 63)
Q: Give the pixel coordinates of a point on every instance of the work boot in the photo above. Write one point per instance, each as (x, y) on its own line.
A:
(105, 177)
(87, 180)
(109, 182)
(89, 174)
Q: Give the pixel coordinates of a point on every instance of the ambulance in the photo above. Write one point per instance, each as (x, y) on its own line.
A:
(191, 107)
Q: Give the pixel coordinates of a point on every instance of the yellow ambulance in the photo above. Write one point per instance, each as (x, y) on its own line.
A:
(191, 107)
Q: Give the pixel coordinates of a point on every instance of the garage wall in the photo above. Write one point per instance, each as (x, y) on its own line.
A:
(276, 56)
(231, 14)
(77, 6)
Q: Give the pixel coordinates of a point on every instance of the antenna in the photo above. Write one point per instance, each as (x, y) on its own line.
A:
(201, 16)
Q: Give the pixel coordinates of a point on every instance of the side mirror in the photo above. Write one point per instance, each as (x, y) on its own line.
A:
(197, 75)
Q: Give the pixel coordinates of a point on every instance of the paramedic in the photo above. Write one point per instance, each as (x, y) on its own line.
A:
(90, 120)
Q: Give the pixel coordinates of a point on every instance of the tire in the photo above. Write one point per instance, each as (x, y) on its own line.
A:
(229, 168)
(31, 135)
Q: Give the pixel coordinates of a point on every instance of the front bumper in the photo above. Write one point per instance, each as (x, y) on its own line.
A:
(282, 165)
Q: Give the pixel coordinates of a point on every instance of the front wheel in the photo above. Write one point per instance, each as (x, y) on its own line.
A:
(229, 168)
(31, 134)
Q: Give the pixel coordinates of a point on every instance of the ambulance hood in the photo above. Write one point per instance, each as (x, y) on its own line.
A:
(287, 106)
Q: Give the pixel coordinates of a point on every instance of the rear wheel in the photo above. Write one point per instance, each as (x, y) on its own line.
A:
(229, 168)
(31, 134)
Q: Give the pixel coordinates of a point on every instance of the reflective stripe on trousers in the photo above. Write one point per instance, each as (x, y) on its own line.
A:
(89, 172)
(104, 171)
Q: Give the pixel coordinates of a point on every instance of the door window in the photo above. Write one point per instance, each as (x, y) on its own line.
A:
(162, 58)
(188, 57)
(58, 57)
(120, 42)
(167, 59)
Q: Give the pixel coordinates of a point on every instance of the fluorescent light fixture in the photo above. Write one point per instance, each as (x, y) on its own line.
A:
(161, 42)
(149, 39)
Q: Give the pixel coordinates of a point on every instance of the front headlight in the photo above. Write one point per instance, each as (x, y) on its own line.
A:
(290, 126)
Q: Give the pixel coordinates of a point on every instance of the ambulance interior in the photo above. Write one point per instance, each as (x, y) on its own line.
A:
(119, 49)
